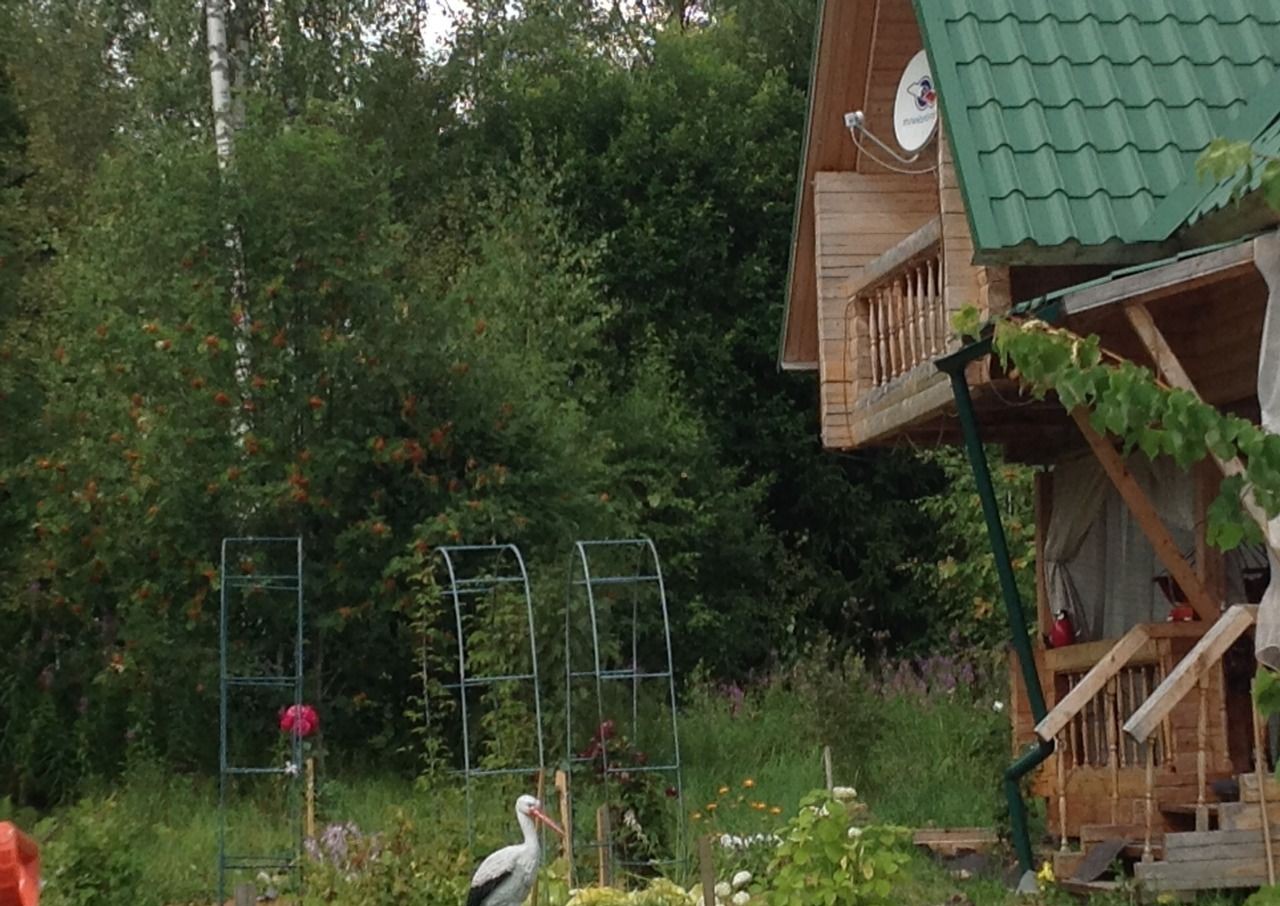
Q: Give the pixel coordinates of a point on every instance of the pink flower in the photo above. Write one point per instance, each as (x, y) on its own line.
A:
(299, 719)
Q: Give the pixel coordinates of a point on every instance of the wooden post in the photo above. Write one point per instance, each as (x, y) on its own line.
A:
(1202, 732)
(707, 870)
(1149, 752)
(604, 846)
(1260, 768)
(566, 819)
(826, 769)
(246, 895)
(1113, 748)
(1061, 758)
(311, 798)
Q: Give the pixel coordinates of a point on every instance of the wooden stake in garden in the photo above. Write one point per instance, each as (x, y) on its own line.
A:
(707, 869)
(566, 819)
(604, 846)
(826, 769)
(311, 798)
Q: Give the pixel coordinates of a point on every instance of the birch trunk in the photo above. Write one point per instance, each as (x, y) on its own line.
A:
(224, 141)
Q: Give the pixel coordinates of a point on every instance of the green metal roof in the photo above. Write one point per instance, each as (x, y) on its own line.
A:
(1077, 123)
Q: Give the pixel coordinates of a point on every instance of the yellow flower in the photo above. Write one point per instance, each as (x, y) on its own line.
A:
(748, 783)
(758, 806)
(1045, 873)
(775, 811)
(722, 790)
(697, 816)
(711, 806)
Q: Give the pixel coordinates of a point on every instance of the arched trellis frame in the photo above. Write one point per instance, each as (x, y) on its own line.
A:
(640, 578)
(466, 590)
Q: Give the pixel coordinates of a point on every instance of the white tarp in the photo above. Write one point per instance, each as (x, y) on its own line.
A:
(1267, 257)
(1099, 566)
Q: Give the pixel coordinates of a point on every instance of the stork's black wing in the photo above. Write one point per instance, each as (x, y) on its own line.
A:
(480, 890)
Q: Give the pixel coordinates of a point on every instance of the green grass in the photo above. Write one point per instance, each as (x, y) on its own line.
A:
(915, 761)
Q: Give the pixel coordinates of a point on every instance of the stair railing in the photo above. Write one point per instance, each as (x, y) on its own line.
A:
(1192, 672)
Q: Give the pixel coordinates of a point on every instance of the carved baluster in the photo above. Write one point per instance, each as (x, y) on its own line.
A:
(1262, 775)
(909, 325)
(939, 314)
(1113, 749)
(1149, 753)
(886, 367)
(900, 324)
(1062, 791)
(1202, 729)
(926, 310)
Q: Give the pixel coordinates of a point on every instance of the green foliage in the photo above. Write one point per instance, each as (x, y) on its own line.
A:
(1238, 161)
(1266, 896)
(961, 574)
(86, 861)
(398, 866)
(825, 858)
(1126, 400)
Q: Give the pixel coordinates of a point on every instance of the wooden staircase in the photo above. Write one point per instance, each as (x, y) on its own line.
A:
(1185, 839)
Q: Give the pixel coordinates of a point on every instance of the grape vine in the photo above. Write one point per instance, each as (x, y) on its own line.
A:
(1126, 400)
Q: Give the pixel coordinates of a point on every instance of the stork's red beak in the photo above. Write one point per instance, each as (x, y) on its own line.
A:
(540, 815)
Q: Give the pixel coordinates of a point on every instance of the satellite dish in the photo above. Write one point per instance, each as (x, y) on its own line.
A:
(915, 110)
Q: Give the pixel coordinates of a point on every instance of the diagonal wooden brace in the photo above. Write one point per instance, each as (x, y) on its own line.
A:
(1144, 512)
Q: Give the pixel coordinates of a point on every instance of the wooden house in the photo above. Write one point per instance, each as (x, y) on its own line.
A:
(1062, 180)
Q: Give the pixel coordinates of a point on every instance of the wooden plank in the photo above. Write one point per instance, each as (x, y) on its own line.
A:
(1223, 873)
(1098, 859)
(1159, 282)
(1093, 682)
(604, 847)
(1191, 841)
(1182, 678)
(913, 245)
(566, 819)
(1144, 513)
(1249, 788)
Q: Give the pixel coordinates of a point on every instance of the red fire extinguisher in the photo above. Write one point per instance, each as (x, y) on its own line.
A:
(1062, 633)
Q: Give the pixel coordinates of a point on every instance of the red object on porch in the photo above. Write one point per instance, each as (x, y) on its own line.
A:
(19, 867)
(1062, 633)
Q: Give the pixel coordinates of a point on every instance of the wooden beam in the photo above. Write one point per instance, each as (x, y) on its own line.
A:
(1186, 673)
(1170, 279)
(1093, 682)
(1144, 512)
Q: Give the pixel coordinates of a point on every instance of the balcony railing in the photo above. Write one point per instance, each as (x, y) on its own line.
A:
(899, 311)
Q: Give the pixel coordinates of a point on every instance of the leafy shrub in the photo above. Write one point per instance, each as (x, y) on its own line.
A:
(86, 861)
(825, 858)
(387, 870)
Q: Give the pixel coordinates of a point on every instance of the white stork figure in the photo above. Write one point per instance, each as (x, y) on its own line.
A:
(506, 876)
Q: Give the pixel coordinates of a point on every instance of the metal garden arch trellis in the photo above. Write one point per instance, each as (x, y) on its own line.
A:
(633, 567)
(253, 567)
(478, 586)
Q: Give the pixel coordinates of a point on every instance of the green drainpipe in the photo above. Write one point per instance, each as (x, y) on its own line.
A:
(954, 366)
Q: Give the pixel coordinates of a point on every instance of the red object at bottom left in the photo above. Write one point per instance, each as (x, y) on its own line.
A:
(19, 867)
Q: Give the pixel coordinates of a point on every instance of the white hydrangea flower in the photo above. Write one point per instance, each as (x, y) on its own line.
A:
(741, 880)
(723, 890)
(855, 833)
(845, 793)
(741, 898)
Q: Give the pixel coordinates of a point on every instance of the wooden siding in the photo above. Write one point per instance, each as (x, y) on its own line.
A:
(858, 218)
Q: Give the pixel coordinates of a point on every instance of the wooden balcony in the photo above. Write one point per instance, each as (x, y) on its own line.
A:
(899, 311)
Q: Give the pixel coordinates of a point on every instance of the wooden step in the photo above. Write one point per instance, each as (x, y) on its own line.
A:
(1249, 788)
(1096, 833)
(1207, 860)
(1247, 816)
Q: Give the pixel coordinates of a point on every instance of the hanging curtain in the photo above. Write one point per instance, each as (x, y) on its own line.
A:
(1079, 491)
